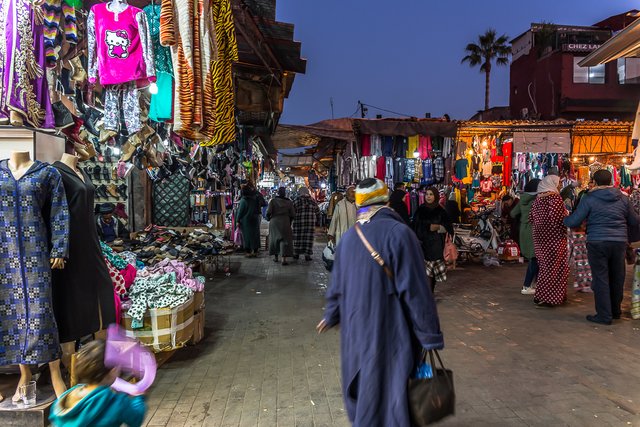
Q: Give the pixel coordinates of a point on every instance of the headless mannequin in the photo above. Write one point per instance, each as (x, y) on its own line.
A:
(68, 348)
(19, 164)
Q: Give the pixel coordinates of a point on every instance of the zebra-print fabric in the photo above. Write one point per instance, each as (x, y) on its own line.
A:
(223, 90)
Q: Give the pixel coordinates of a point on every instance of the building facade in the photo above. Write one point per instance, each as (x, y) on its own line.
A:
(547, 83)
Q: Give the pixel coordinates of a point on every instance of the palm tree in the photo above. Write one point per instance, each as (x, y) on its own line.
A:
(488, 49)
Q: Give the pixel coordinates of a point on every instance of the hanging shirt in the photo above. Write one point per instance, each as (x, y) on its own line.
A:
(389, 172)
(376, 145)
(409, 171)
(381, 168)
(438, 169)
(412, 146)
(427, 172)
(461, 168)
(365, 145)
(402, 145)
(486, 168)
(387, 146)
(119, 46)
(424, 147)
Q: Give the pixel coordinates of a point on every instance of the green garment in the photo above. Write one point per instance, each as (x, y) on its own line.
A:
(161, 106)
(116, 260)
(76, 4)
(521, 211)
(248, 218)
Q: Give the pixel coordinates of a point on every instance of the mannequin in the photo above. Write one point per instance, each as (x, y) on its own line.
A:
(83, 300)
(36, 346)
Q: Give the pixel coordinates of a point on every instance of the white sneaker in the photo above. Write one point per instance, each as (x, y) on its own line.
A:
(528, 291)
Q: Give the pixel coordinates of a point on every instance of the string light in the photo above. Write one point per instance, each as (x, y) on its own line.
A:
(592, 159)
(575, 159)
(471, 151)
(153, 89)
(624, 160)
(485, 144)
(416, 154)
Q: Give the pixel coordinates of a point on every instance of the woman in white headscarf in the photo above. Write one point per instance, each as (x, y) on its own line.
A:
(550, 243)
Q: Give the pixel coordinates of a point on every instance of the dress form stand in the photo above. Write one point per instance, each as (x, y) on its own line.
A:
(19, 164)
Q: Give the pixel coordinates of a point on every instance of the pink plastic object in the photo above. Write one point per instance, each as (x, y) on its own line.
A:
(128, 355)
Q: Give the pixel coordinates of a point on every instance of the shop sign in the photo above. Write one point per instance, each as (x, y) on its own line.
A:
(580, 47)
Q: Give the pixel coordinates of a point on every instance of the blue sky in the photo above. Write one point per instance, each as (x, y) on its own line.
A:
(404, 55)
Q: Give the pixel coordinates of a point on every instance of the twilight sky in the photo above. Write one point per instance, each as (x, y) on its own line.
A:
(404, 55)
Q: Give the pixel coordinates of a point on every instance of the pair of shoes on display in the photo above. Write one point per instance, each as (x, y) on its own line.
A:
(528, 290)
(62, 116)
(595, 319)
(120, 211)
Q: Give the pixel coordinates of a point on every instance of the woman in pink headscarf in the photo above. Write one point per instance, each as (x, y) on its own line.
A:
(550, 243)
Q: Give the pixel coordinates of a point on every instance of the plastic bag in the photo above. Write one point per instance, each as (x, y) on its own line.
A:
(237, 237)
(328, 255)
(450, 250)
(423, 371)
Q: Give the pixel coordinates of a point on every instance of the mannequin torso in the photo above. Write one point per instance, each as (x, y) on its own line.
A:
(72, 162)
(19, 163)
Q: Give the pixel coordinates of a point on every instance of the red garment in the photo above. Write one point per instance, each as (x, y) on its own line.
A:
(550, 244)
(407, 201)
(381, 168)
(129, 275)
(507, 151)
(365, 144)
(424, 147)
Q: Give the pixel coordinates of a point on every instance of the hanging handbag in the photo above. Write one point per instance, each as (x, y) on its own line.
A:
(450, 250)
(432, 399)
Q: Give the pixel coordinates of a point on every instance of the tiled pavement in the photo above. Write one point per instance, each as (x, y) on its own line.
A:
(261, 363)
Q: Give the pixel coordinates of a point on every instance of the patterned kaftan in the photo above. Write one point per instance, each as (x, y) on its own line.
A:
(550, 244)
(34, 225)
(304, 225)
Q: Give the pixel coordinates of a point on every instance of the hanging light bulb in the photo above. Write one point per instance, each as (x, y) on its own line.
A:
(624, 160)
(592, 159)
(471, 151)
(416, 154)
(575, 159)
(485, 144)
(153, 88)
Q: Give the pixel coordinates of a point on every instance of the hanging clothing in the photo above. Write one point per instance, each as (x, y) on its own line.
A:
(438, 169)
(35, 218)
(161, 107)
(23, 88)
(402, 146)
(280, 213)
(387, 146)
(580, 260)
(462, 168)
(424, 147)
(82, 290)
(119, 47)
(550, 243)
(389, 177)
(58, 16)
(304, 225)
(122, 99)
(381, 168)
(412, 147)
(365, 145)
(376, 145)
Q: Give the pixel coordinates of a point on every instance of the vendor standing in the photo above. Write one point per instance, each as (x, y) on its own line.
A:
(109, 227)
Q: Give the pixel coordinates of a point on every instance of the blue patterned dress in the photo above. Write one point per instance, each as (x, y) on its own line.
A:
(34, 227)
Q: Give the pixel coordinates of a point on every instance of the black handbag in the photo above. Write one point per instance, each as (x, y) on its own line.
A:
(432, 399)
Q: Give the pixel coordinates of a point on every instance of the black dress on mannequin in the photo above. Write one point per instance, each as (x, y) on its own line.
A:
(83, 300)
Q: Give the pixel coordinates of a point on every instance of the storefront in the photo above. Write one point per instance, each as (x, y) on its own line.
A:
(133, 134)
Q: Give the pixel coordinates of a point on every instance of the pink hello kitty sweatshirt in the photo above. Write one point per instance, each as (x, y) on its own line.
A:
(120, 49)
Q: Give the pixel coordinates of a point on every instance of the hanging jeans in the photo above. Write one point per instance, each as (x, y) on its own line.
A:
(58, 15)
(532, 272)
(123, 98)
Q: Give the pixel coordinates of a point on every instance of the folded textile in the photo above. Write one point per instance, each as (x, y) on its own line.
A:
(130, 257)
(116, 260)
(129, 275)
(184, 274)
(158, 291)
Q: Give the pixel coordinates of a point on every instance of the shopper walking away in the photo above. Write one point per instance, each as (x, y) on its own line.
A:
(385, 320)
(344, 216)
(304, 224)
(92, 402)
(248, 219)
(550, 243)
(431, 225)
(609, 214)
(398, 202)
(521, 213)
(280, 213)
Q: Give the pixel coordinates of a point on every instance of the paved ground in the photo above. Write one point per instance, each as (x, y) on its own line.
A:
(261, 362)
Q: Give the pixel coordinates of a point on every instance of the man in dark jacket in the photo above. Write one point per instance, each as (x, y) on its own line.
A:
(609, 214)
(397, 202)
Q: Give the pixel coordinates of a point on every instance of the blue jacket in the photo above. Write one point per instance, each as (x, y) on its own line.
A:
(384, 323)
(608, 214)
(102, 407)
